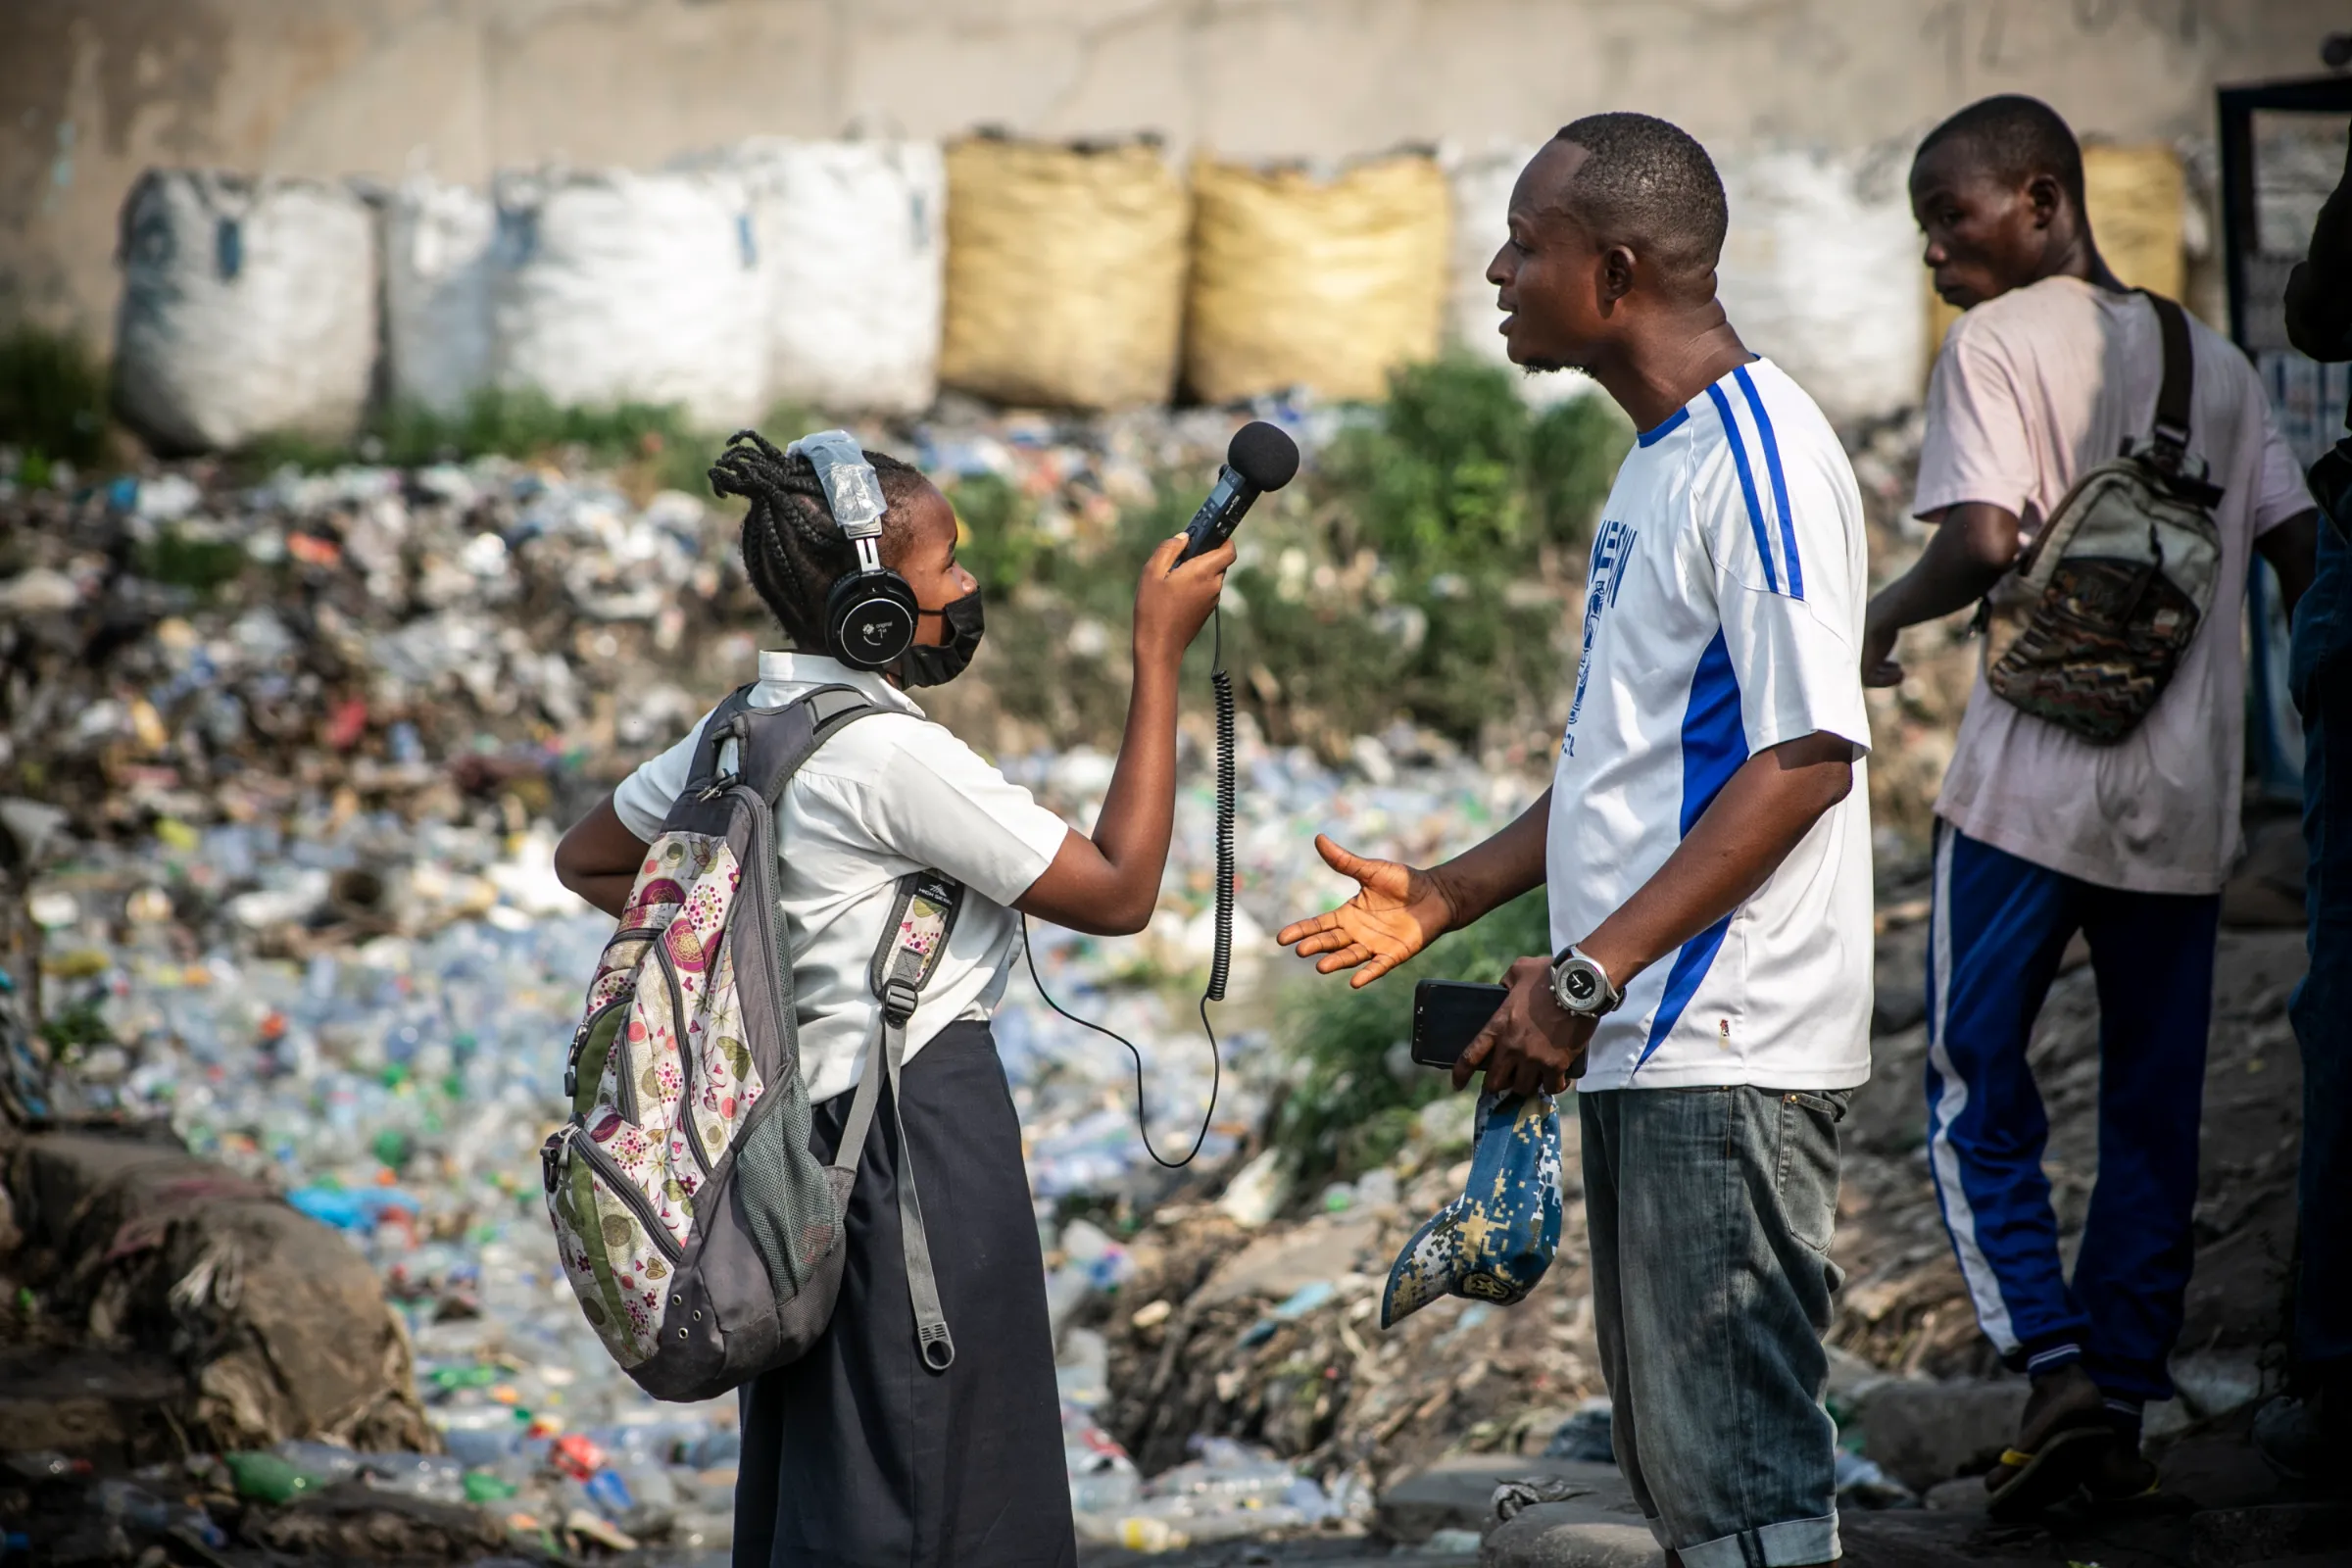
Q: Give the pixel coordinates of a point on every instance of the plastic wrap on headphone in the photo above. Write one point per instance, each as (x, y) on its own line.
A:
(852, 489)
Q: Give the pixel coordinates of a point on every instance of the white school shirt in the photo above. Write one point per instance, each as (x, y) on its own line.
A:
(2032, 388)
(888, 794)
(1723, 615)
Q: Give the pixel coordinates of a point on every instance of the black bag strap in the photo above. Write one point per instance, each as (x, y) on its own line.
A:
(713, 739)
(771, 743)
(2174, 395)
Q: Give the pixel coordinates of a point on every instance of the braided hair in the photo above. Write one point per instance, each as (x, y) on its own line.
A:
(791, 548)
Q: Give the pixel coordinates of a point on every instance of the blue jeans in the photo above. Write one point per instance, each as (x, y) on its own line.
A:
(1709, 1213)
(1998, 927)
(2319, 675)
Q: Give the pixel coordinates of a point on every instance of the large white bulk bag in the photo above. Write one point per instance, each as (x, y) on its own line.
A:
(248, 309)
(614, 288)
(1821, 274)
(437, 293)
(853, 236)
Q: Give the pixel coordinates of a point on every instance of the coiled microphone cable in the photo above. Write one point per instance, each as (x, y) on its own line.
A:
(1220, 962)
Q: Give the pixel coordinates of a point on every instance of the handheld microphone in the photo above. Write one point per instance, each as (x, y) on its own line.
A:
(1259, 458)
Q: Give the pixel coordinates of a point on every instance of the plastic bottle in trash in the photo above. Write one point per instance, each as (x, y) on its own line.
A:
(434, 1477)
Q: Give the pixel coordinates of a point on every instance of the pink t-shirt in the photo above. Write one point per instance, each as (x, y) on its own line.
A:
(2032, 388)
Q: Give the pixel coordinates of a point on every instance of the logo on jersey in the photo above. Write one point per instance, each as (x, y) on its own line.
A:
(1605, 574)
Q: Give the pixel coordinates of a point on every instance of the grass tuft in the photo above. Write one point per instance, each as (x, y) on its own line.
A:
(53, 399)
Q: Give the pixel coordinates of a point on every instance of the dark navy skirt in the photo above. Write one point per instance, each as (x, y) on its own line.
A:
(857, 1456)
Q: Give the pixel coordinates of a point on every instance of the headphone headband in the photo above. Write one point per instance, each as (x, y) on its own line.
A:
(870, 612)
(853, 492)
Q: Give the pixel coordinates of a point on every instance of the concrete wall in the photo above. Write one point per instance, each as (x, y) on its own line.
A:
(92, 91)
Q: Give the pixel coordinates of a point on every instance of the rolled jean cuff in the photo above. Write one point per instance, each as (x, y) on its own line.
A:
(1782, 1546)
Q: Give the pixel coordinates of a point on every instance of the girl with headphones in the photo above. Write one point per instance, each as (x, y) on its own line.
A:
(860, 1452)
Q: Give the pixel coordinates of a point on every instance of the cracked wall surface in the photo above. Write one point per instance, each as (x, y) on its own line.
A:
(92, 91)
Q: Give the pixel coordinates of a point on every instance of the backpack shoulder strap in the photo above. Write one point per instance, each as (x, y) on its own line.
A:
(2179, 374)
(716, 733)
(913, 939)
(770, 743)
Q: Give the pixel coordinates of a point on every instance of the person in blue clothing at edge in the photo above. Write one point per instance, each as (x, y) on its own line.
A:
(2308, 1434)
(1705, 848)
(2041, 834)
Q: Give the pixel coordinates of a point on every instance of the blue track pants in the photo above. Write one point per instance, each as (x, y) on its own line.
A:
(2000, 925)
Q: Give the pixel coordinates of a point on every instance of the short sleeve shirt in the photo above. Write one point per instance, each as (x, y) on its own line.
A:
(1723, 615)
(2031, 389)
(890, 794)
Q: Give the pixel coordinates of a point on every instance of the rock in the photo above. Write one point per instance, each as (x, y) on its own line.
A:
(276, 1325)
(352, 1520)
(1911, 1538)
(1459, 1493)
(1279, 1266)
(1960, 1494)
(115, 1408)
(2216, 1384)
(1925, 1433)
(1570, 1534)
(2240, 1538)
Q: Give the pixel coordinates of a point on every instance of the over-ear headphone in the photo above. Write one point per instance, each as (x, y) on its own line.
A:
(869, 611)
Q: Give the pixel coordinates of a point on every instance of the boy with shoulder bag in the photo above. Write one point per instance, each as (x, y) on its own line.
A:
(793, 1165)
(2100, 467)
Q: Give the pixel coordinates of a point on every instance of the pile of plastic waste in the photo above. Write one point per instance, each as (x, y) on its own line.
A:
(316, 738)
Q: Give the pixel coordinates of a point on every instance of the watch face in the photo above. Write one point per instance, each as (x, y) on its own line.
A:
(1580, 985)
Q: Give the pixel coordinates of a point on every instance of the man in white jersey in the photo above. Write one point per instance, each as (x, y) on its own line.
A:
(1706, 851)
(2040, 833)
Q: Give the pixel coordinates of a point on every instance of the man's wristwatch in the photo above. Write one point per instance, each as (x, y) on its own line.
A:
(1582, 987)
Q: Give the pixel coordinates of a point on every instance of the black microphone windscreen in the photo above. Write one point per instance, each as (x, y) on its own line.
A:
(1263, 455)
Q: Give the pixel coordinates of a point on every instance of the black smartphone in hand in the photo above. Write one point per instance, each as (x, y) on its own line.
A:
(1448, 1015)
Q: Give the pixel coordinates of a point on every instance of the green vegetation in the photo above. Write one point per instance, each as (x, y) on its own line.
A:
(53, 404)
(1353, 1094)
(191, 559)
(1468, 512)
(1419, 572)
(655, 437)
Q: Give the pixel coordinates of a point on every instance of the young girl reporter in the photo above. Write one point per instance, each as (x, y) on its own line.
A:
(861, 1453)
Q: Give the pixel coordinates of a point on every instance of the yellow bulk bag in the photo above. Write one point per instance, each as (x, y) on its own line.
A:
(1299, 282)
(1065, 273)
(2137, 198)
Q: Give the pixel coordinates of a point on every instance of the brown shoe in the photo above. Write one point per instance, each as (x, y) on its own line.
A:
(2065, 1432)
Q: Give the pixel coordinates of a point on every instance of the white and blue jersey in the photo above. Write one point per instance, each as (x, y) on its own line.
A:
(1723, 615)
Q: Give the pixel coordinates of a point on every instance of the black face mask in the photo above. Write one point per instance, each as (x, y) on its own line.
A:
(927, 665)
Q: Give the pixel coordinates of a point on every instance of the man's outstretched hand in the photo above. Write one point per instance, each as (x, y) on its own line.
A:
(1396, 912)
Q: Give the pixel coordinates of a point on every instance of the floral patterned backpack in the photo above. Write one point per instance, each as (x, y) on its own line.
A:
(701, 1232)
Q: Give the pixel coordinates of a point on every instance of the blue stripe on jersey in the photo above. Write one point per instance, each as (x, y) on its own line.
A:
(1664, 428)
(1779, 480)
(1714, 746)
(1681, 983)
(1747, 485)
